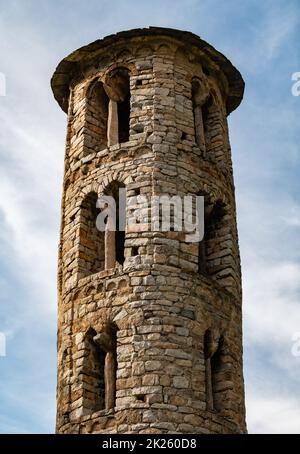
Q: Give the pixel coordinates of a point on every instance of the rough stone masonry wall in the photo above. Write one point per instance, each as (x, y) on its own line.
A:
(160, 303)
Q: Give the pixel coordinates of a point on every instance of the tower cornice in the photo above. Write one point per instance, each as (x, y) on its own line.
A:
(72, 65)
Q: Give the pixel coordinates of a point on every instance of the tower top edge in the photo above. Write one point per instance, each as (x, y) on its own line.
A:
(72, 64)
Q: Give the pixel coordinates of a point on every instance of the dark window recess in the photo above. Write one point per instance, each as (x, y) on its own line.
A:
(202, 257)
(183, 136)
(93, 374)
(134, 251)
(123, 117)
(212, 222)
(205, 70)
(120, 237)
(172, 218)
(65, 355)
(99, 368)
(119, 242)
(214, 367)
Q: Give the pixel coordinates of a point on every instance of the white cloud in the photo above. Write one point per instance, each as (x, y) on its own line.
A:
(19, 405)
(273, 414)
(30, 198)
(293, 218)
(271, 301)
(269, 27)
(279, 24)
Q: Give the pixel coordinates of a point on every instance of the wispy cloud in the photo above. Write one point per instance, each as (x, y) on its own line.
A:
(275, 415)
(281, 21)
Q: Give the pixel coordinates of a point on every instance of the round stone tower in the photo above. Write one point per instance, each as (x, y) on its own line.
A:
(149, 322)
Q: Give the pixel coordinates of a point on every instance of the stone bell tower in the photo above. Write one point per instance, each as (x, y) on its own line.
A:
(149, 324)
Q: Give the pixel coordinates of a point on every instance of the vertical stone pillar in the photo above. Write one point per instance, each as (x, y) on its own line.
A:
(208, 385)
(199, 128)
(112, 123)
(110, 249)
(110, 379)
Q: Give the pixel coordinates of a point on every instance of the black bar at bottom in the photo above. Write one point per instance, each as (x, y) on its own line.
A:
(139, 443)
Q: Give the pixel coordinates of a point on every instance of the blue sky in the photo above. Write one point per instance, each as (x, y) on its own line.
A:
(262, 40)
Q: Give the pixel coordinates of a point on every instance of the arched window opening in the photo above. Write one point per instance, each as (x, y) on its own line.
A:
(209, 123)
(200, 100)
(206, 118)
(115, 240)
(107, 342)
(202, 251)
(213, 344)
(117, 87)
(213, 217)
(205, 115)
(97, 117)
(93, 374)
(217, 367)
(91, 240)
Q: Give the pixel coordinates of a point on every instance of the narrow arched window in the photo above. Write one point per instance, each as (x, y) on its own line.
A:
(92, 374)
(124, 112)
(209, 123)
(117, 87)
(98, 372)
(217, 368)
(209, 246)
(213, 344)
(204, 123)
(96, 117)
(114, 236)
(115, 240)
(107, 342)
(202, 251)
(198, 99)
(91, 240)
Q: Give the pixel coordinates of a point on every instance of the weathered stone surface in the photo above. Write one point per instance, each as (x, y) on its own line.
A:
(149, 332)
